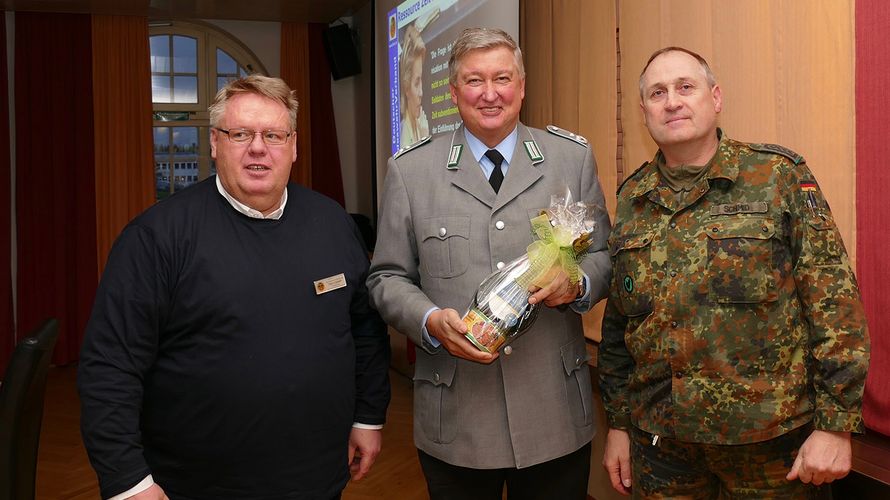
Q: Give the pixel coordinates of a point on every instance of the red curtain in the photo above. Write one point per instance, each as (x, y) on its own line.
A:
(55, 179)
(327, 178)
(7, 334)
(872, 215)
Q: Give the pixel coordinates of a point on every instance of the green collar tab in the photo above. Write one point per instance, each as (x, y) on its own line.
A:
(533, 152)
(454, 156)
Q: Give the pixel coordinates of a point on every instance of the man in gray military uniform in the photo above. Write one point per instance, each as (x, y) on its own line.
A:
(456, 208)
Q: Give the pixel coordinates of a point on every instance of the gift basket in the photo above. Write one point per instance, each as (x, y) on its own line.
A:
(500, 311)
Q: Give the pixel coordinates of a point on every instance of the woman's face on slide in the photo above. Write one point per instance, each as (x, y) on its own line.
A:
(415, 87)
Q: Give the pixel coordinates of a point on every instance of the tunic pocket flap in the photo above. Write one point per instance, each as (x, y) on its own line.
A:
(629, 242)
(443, 228)
(438, 371)
(752, 228)
(822, 222)
(574, 355)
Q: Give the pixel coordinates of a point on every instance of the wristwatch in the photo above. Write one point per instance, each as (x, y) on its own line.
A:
(581, 289)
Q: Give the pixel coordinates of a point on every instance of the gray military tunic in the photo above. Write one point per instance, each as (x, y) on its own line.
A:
(442, 230)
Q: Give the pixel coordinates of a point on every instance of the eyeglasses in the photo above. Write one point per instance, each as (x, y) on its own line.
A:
(243, 135)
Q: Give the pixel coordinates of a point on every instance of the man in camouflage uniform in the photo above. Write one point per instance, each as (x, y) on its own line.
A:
(734, 347)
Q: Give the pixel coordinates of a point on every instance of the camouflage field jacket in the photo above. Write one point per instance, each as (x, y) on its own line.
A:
(733, 317)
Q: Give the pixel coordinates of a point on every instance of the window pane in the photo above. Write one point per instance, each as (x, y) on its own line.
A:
(185, 89)
(185, 54)
(185, 140)
(225, 65)
(160, 53)
(160, 88)
(185, 165)
(162, 139)
(222, 80)
(162, 156)
(242, 72)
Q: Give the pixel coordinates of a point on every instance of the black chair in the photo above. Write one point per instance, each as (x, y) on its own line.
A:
(21, 411)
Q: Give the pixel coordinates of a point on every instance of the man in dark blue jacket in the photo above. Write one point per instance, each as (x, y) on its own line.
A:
(232, 352)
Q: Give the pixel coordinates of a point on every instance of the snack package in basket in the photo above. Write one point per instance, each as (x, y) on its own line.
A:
(500, 311)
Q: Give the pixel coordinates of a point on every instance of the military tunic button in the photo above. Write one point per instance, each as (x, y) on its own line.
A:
(673, 324)
(764, 229)
(678, 375)
(508, 350)
(500, 225)
(442, 232)
(673, 225)
(500, 265)
(673, 274)
(578, 361)
(436, 377)
(715, 230)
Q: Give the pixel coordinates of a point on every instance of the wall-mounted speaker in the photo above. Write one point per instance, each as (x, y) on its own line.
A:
(342, 53)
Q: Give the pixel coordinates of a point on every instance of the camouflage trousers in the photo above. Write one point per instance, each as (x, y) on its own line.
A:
(676, 469)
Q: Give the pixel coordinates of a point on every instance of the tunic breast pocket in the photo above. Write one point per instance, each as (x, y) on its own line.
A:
(740, 261)
(633, 272)
(445, 246)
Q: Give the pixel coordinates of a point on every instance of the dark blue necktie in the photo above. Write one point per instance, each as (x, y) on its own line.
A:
(497, 175)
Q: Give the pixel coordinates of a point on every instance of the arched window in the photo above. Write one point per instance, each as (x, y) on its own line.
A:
(190, 62)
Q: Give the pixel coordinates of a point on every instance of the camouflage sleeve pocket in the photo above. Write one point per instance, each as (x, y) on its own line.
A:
(740, 260)
(633, 273)
(824, 240)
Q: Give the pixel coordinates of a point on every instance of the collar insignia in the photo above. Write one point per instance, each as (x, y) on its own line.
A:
(454, 156)
(533, 152)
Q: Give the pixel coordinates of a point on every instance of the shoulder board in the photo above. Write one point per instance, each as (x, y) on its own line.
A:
(779, 150)
(553, 129)
(409, 147)
(629, 176)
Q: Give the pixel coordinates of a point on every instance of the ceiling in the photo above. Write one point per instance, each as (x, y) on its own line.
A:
(318, 11)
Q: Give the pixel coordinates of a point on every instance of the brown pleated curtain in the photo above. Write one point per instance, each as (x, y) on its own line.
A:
(7, 334)
(295, 71)
(575, 38)
(83, 159)
(121, 119)
(306, 70)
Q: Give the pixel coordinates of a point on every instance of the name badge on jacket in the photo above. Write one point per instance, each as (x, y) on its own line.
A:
(330, 284)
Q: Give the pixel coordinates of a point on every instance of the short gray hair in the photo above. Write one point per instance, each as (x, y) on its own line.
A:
(709, 75)
(265, 86)
(482, 39)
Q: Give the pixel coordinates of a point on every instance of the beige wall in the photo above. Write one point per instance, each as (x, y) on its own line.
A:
(261, 37)
(786, 69)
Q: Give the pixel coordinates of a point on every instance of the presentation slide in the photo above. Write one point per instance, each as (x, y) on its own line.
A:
(420, 35)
